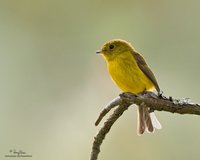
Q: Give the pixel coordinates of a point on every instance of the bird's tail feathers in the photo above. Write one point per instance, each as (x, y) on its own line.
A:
(147, 121)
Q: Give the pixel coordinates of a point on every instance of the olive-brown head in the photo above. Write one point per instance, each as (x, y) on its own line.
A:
(114, 48)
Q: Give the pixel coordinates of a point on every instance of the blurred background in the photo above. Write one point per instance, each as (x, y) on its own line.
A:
(53, 85)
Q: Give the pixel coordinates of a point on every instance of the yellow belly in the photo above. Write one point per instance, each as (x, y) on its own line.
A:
(128, 76)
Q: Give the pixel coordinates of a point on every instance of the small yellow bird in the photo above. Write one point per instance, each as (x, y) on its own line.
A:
(130, 72)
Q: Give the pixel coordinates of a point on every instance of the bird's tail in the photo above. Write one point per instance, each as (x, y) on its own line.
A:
(147, 121)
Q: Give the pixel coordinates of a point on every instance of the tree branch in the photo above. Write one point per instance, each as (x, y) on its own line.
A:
(151, 100)
(115, 102)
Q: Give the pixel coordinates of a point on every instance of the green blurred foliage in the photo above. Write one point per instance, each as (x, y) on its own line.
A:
(53, 86)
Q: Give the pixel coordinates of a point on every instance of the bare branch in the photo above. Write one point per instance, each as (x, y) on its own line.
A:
(160, 103)
(151, 100)
(98, 139)
(115, 102)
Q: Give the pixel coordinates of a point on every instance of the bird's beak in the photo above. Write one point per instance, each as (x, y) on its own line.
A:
(99, 51)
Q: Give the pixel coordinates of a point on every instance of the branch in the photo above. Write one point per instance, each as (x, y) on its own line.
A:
(161, 103)
(115, 102)
(151, 100)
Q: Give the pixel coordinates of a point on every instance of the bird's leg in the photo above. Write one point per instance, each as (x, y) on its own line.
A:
(160, 94)
(143, 92)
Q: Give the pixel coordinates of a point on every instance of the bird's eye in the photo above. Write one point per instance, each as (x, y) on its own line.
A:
(111, 46)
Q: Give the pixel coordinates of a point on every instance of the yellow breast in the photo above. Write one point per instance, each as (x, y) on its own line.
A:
(127, 75)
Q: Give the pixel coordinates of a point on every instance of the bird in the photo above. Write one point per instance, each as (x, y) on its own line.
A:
(130, 72)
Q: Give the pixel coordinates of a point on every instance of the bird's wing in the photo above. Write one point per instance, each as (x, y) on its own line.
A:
(145, 69)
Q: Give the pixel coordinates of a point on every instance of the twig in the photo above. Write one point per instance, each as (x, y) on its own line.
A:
(115, 102)
(98, 139)
(151, 100)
